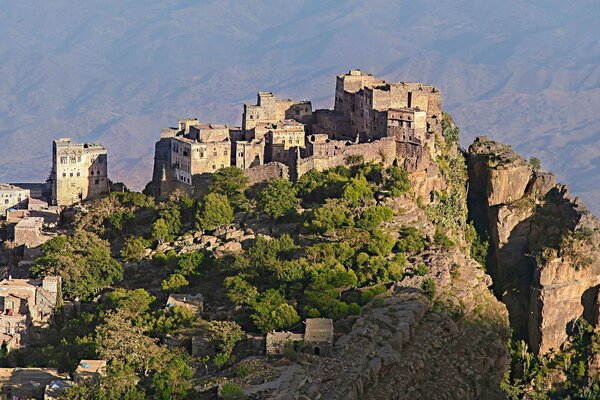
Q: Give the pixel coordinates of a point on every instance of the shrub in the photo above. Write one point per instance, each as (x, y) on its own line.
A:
(428, 287)
(215, 211)
(134, 249)
(396, 180)
(174, 283)
(277, 199)
(442, 240)
(232, 391)
(357, 190)
(334, 214)
(372, 217)
(410, 240)
(381, 244)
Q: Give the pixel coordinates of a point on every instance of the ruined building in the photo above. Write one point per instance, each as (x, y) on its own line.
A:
(79, 172)
(26, 304)
(372, 119)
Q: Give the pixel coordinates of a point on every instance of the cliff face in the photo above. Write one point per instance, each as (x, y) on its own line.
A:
(543, 245)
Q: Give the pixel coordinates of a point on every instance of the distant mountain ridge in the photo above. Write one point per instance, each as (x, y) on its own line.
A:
(524, 72)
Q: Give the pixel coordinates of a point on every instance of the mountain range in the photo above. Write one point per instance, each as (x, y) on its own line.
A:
(526, 72)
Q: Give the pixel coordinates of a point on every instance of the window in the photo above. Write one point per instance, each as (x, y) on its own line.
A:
(64, 174)
(225, 152)
(92, 172)
(73, 159)
(214, 167)
(78, 174)
(97, 181)
(71, 174)
(63, 160)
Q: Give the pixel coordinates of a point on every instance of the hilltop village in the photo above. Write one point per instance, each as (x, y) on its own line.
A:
(346, 253)
(372, 119)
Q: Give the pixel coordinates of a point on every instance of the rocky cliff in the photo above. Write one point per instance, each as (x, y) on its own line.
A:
(543, 255)
(407, 345)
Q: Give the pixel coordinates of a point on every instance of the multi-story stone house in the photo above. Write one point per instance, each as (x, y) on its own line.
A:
(12, 196)
(26, 304)
(282, 138)
(270, 109)
(79, 172)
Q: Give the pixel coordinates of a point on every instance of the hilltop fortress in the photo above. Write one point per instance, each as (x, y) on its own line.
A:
(372, 119)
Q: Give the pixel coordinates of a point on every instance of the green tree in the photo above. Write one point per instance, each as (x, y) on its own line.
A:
(230, 182)
(381, 243)
(130, 302)
(333, 215)
(373, 216)
(357, 190)
(82, 260)
(174, 283)
(224, 335)
(118, 339)
(410, 240)
(174, 319)
(190, 264)
(396, 180)
(173, 379)
(171, 214)
(160, 231)
(535, 163)
(277, 199)
(271, 312)
(134, 249)
(239, 291)
(232, 391)
(214, 212)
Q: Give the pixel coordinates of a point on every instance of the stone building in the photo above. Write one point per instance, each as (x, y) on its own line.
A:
(28, 383)
(317, 339)
(28, 232)
(283, 138)
(89, 369)
(318, 336)
(26, 304)
(249, 153)
(359, 96)
(12, 196)
(277, 341)
(378, 121)
(79, 172)
(270, 109)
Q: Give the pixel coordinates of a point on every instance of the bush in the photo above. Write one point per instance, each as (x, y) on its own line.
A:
(368, 294)
(442, 240)
(396, 180)
(381, 244)
(357, 190)
(428, 287)
(174, 283)
(230, 182)
(535, 163)
(215, 211)
(232, 391)
(271, 312)
(334, 214)
(410, 240)
(134, 249)
(372, 217)
(421, 270)
(277, 199)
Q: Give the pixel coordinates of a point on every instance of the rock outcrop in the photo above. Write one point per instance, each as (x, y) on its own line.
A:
(405, 346)
(544, 255)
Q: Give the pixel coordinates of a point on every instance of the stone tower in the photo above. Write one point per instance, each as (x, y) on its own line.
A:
(79, 172)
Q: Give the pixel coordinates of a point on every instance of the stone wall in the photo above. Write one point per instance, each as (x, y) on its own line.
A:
(265, 172)
(380, 151)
